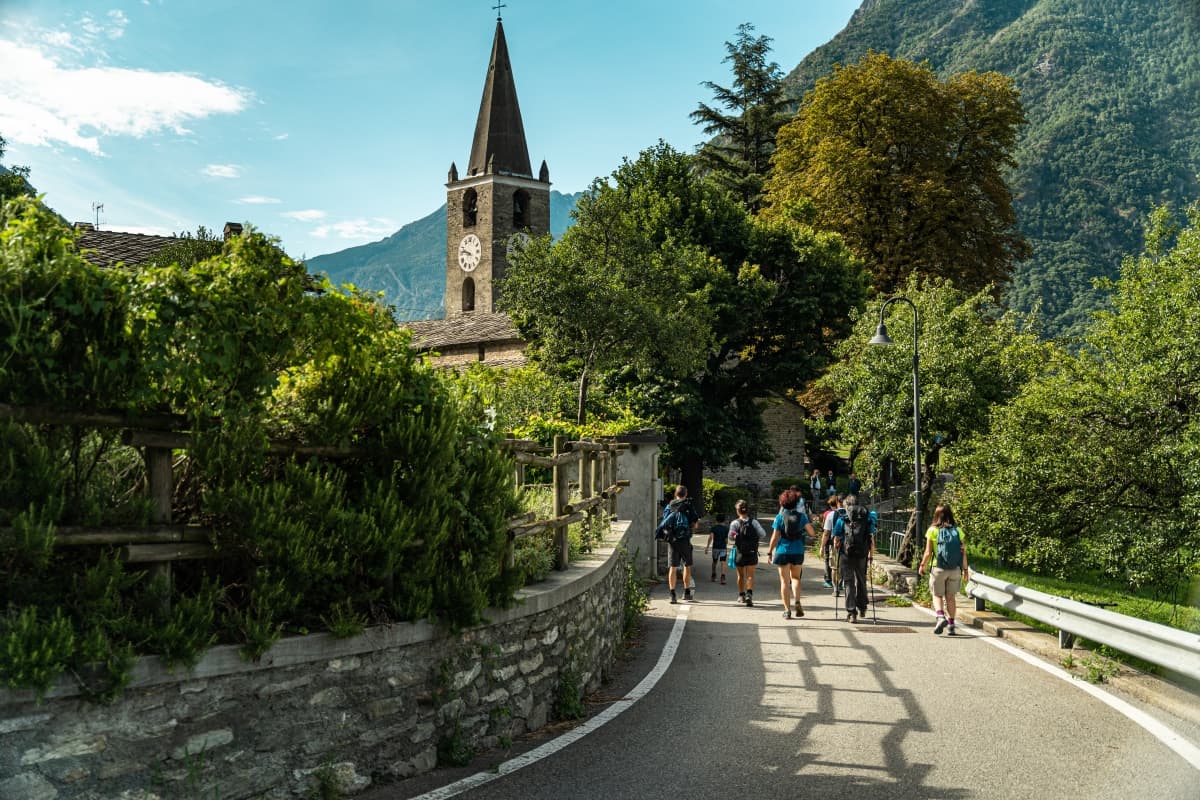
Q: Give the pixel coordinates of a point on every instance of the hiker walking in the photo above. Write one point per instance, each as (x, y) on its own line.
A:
(853, 533)
(718, 538)
(746, 534)
(944, 545)
(678, 522)
(828, 519)
(789, 535)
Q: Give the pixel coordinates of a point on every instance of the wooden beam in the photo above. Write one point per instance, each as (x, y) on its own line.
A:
(160, 553)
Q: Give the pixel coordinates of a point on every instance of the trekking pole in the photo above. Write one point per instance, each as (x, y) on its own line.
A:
(870, 580)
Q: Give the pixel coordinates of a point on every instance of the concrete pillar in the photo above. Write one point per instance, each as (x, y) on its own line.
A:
(640, 502)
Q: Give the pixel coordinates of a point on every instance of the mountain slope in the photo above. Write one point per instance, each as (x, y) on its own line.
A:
(1110, 89)
(409, 266)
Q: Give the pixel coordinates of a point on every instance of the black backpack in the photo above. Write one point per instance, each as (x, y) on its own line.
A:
(792, 527)
(747, 536)
(856, 533)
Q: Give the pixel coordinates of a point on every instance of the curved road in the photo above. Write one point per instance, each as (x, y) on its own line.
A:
(753, 705)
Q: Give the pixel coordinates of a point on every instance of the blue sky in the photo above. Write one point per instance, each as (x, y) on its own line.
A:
(333, 124)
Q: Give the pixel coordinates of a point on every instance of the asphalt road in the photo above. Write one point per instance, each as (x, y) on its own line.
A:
(754, 705)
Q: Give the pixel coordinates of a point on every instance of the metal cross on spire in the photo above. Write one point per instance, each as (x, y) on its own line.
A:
(498, 6)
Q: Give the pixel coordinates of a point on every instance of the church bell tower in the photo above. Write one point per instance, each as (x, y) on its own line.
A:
(498, 202)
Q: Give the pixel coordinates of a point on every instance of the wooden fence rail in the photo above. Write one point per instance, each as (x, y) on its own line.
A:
(159, 435)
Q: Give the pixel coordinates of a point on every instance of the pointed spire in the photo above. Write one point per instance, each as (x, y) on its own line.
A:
(544, 173)
(453, 174)
(499, 143)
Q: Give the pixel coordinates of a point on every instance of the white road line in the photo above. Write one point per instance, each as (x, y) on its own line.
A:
(1182, 747)
(575, 734)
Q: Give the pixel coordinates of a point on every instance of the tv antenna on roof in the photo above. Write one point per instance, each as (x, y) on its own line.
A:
(96, 209)
(499, 6)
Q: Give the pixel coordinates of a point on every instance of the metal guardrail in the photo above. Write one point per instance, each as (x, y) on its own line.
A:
(1170, 648)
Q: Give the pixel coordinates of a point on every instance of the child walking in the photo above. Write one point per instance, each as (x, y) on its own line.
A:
(718, 538)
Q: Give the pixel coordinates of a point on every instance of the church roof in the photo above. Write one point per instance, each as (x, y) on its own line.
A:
(499, 146)
(437, 334)
(108, 248)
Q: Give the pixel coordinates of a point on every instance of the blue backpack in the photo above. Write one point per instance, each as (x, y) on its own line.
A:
(949, 548)
(675, 525)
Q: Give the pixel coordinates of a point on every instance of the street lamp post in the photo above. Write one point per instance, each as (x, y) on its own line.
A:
(881, 337)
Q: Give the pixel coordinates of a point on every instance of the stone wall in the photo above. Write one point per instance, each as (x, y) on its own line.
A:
(784, 421)
(371, 709)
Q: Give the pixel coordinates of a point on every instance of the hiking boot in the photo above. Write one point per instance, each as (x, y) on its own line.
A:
(722, 580)
(787, 615)
(687, 595)
(799, 610)
(941, 624)
(674, 599)
(827, 584)
(950, 631)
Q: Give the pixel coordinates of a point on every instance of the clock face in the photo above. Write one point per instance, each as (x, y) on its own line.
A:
(517, 242)
(469, 252)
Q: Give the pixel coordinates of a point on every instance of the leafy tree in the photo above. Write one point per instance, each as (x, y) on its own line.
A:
(972, 358)
(609, 294)
(191, 250)
(14, 181)
(1097, 463)
(705, 309)
(745, 120)
(909, 169)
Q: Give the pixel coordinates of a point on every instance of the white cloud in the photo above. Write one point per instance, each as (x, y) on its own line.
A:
(307, 215)
(257, 200)
(356, 229)
(222, 171)
(282, 137)
(46, 101)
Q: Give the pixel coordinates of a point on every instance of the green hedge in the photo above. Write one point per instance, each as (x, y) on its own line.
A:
(245, 347)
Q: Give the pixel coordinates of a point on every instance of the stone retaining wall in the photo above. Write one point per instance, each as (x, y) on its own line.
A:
(369, 709)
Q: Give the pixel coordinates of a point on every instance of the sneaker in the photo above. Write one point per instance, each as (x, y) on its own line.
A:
(787, 615)
(674, 599)
(741, 597)
(749, 599)
(714, 577)
(950, 631)
(722, 580)
(941, 624)
(799, 610)
(827, 584)
(851, 617)
(687, 595)
(692, 582)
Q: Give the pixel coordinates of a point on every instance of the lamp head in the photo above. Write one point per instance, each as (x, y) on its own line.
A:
(880, 336)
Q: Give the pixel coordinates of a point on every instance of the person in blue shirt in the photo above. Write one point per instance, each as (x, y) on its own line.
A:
(789, 536)
(718, 538)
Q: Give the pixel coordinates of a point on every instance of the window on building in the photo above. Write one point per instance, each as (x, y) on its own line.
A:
(468, 294)
(520, 209)
(470, 206)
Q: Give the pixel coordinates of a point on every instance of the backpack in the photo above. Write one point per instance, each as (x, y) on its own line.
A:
(675, 525)
(792, 527)
(747, 537)
(856, 533)
(949, 548)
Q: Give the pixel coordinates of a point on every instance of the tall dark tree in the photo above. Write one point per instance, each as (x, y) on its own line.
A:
(909, 169)
(744, 119)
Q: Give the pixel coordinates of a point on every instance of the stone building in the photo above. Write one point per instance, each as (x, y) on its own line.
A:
(490, 209)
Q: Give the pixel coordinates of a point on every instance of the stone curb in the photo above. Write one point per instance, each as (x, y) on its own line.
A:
(1150, 689)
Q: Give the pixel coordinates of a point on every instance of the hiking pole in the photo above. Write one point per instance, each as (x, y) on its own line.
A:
(870, 580)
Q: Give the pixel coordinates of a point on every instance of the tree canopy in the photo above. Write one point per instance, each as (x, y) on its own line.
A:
(14, 181)
(972, 357)
(739, 158)
(909, 169)
(1098, 460)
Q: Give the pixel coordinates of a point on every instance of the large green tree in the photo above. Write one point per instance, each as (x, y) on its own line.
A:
(697, 308)
(744, 120)
(908, 168)
(1098, 462)
(972, 357)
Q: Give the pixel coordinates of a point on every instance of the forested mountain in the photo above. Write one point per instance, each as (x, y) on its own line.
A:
(1111, 90)
(409, 266)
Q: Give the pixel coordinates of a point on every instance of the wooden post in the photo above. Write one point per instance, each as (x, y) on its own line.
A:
(562, 496)
(587, 466)
(160, 485)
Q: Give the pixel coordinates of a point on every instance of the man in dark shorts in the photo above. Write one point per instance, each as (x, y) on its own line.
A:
(680, 520)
